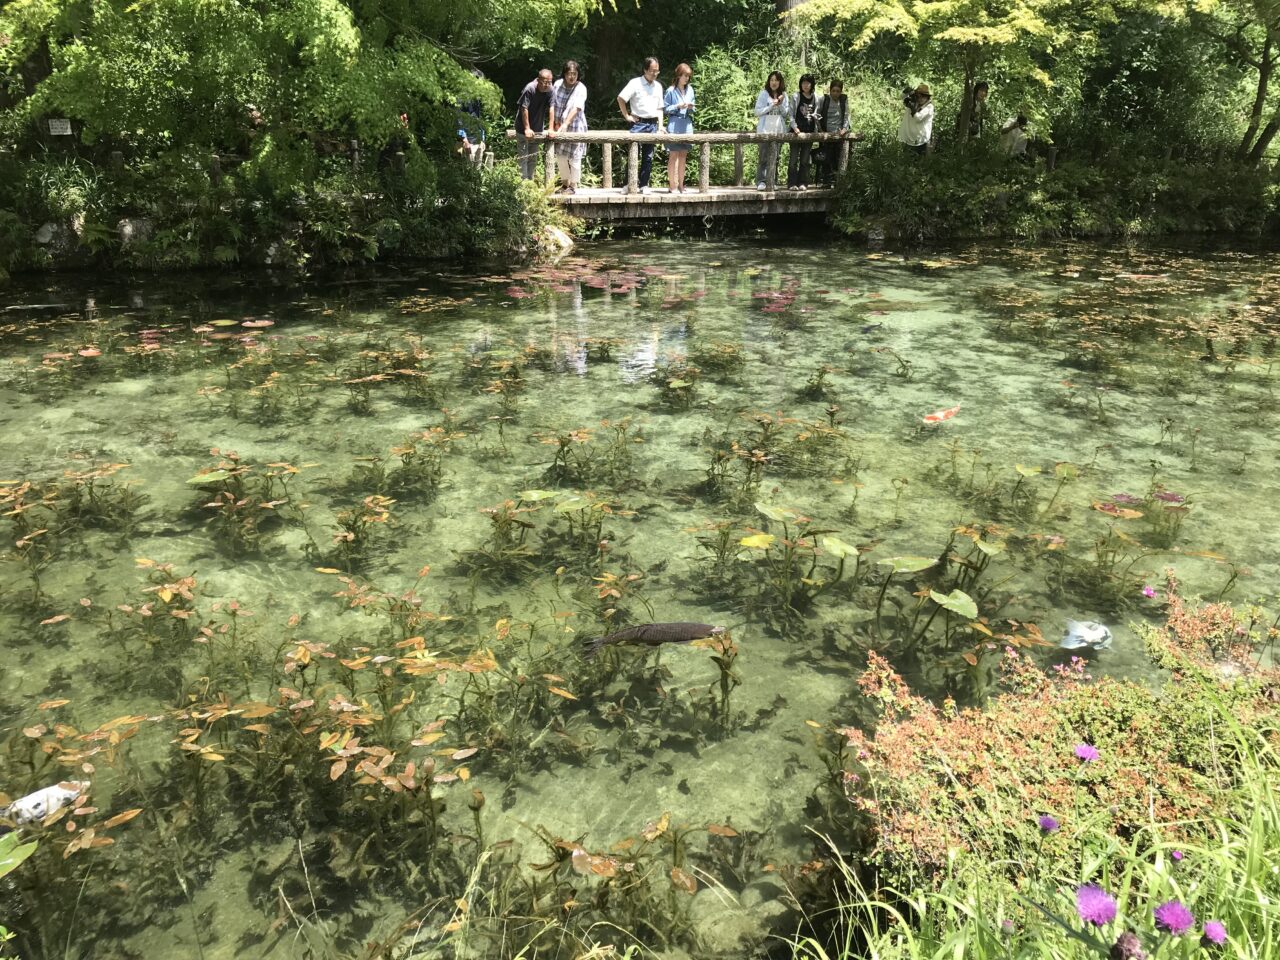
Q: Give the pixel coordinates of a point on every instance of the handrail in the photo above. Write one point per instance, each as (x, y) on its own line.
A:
(721, 136)
(739, 139)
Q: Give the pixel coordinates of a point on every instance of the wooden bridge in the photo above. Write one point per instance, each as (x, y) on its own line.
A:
(703, 199)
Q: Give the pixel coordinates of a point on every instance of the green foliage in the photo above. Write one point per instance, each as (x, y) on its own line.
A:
(977, 192)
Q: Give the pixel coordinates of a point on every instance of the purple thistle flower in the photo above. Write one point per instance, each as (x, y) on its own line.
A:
(1094, 905)
(1048, 824)
(1174, 918)
(1087, 752)
(1007, 928)
(1215, 934)
(1177, 856)
(1149, 592)
(1126, 498)
(1127, 947)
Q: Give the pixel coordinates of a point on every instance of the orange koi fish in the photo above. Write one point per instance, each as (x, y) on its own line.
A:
(938, 416)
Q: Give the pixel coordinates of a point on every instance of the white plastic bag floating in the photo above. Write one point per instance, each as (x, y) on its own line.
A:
(1081, 634)
(34, 807)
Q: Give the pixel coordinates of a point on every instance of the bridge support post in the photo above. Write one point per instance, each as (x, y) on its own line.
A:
(549, 165)
(633, 168)
(771, 173)
(737, 164)
(704, 167)
(844, 155)
(606, 166)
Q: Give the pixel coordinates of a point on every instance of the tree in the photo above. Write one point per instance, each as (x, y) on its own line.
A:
(1249, 33)
(968, 36)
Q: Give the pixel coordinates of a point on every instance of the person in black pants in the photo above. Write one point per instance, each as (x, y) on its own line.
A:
(804, 120)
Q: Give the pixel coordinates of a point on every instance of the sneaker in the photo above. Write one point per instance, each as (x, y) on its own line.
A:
(804, 186)
(760, 185)
(645, 190)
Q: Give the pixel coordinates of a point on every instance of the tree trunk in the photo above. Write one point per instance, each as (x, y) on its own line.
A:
(1264, 140)
(966, 104)
(1265, 66)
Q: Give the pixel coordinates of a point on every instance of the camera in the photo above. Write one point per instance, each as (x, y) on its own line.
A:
(909, 100)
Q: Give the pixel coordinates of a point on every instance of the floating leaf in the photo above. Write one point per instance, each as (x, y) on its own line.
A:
(562, 692)
(36, 732)
(337, 769)
(990, 547)
(58, 619)
(777, 514)
(1026, 471)
(1122, 513)
(838, 548)
(758, 541)
(721, 830)
(327, 570)
(464, 753)
(51, 704)
(533, 496)
(909, 564)
(957, 601)
(970, 659)
(12, 853)
(1066, 471)
(120, 818)
(682, 881)
(205, 479)
(652, 831)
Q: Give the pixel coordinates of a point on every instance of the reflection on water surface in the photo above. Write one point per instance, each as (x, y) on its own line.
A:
(303, 571)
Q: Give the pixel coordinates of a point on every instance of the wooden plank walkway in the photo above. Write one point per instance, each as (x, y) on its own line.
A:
(617, 204)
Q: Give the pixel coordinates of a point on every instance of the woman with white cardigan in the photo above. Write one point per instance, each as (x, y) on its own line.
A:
(773, 115)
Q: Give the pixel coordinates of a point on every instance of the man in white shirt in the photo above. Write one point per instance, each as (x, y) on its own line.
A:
(916, 127)
(1013, 137)
(641, 104)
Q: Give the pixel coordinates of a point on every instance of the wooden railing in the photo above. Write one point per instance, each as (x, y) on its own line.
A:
(608, 139)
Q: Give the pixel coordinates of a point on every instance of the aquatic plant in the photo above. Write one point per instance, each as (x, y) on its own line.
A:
(677, 384)
(786, 567)
(506, 551)
(721, 360)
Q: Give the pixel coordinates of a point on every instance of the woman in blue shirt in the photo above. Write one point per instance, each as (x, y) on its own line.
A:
(677, 104)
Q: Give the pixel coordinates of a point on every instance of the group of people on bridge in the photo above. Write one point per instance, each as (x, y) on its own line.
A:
(547, 107)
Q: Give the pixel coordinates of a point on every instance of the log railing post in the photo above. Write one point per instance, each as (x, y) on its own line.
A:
(549, 165)
(704, 167)
(771, 170)
(737, 164)
(844, 155)
(633, 168)
(606, 166)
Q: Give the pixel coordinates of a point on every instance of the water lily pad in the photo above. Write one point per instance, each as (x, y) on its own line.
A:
(957, 601)
(838, 548)
(909, 564)
(777, 514)
(533, 496)
(224, 323)
(758, 541)
(1026, 471)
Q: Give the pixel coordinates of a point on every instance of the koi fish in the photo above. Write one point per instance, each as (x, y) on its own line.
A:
(34, 807)
(1085, 634)
(938, 416)
(651, 635)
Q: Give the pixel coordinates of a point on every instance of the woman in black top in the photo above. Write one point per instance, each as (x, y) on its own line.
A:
(805, 114)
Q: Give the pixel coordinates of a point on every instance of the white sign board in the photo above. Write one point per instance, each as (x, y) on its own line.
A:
(59, 128)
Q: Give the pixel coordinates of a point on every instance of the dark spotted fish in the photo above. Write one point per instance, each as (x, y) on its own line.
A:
(651, 635)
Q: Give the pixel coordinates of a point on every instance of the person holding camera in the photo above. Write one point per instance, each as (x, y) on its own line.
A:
(916, 127)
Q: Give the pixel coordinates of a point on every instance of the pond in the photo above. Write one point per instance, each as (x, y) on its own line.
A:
(303, 572)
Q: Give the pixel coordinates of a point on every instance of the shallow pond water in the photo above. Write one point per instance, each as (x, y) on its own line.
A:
(302, 572)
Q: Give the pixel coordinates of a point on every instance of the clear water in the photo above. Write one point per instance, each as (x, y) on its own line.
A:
(1080, 373)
